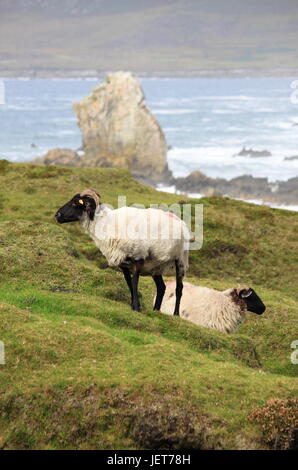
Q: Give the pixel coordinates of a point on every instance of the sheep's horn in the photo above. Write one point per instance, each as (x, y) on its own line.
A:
(91, 193)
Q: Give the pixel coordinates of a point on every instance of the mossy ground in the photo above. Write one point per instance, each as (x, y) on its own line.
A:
(84, 371)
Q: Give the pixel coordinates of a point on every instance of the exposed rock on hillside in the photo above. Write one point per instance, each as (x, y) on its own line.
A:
(63, 157)
(197, 182)
(247, 186)
(119, 130)
(288, 191)
(243, 187)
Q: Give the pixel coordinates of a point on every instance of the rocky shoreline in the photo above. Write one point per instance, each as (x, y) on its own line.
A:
(241, 187)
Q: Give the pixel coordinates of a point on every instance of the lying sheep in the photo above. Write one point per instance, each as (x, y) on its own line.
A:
(138, 241)
(220, 310)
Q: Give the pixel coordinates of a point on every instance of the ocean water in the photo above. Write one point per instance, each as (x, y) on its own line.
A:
(206, 122)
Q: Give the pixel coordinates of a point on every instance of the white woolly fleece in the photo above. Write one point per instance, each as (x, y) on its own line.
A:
(131, 233)
(206, 307)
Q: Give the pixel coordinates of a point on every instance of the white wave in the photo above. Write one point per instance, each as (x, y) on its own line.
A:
(294, 119)
(277, 124)
(284, 125)
(267, 110)
(33, 107)
(225, 111)
(228, 98)
(167, 189)
(219, 162)
(271, 204)
(234, 98)
(60, 133)
(173, 190)
(23, 155)
(63, 119)
(178, 129)
(67, 132)
(66, 99)
(174, 111)
(283, 206)
(235, 129)
(20, 107)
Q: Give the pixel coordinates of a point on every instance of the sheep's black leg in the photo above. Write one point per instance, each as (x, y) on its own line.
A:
(127, 276)
(179, 285)
(160, 291)
(135, 281)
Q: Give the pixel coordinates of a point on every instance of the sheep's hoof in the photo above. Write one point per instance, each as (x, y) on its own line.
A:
(136, 309)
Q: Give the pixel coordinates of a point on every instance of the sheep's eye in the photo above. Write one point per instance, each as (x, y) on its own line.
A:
(81, 202)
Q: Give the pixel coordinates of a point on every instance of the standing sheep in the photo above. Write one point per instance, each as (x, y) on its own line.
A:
(138, 241)
(223, 311)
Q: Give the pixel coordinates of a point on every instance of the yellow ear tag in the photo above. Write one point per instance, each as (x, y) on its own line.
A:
(81, 201)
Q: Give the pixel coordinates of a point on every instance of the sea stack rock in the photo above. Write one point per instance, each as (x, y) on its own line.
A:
(119, 130)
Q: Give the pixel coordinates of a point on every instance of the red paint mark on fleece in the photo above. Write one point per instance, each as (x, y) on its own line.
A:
(171, 215)
(169, 283)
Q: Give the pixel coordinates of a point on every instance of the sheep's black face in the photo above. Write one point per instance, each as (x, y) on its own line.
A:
(253, 301)
(73, 210)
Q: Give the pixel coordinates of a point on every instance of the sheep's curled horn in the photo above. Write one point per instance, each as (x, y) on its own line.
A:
(244, 292)
(91, 193)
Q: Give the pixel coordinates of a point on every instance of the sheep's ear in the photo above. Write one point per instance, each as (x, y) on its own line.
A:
(244, 292)
(90, 207)
(91, 193)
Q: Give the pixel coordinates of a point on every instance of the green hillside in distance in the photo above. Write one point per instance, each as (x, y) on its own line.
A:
(47, 37)
(85, 372)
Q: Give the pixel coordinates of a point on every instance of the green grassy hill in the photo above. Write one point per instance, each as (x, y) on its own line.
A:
(84, 371)
(147, 35)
